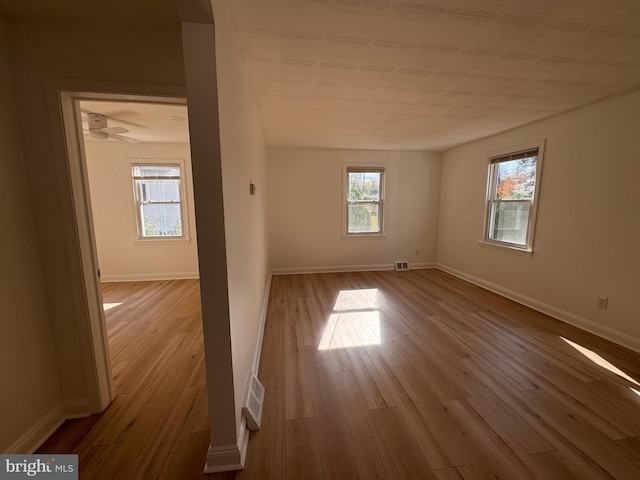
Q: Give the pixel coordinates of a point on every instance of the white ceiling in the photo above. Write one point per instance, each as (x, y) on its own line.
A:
(146, 122)
(412, 75)
(428, 75)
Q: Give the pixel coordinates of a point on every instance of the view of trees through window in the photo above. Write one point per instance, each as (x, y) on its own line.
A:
(514, 183)
(364, 202)
(516, 179)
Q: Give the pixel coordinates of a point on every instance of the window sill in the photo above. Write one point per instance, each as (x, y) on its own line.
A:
(364, 235)
(161, 241)
(506, 248)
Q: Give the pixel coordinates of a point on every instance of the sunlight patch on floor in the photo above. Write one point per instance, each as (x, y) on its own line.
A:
(355, 321)
(362, 299)
(598, 360)
(108, 306)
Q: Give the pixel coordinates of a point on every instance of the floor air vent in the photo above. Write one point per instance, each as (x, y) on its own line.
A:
(252, 408)
(401, 266)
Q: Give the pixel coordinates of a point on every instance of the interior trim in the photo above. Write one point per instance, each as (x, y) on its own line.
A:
(349, 268)
(148, 277)
(602, 331)
(35, 436)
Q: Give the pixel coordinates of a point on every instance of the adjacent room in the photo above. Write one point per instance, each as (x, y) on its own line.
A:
(144, 224)
(417, 225)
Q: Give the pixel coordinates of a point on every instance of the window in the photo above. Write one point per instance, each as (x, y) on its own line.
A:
(158, 194)
(512, 194)
(364, 200)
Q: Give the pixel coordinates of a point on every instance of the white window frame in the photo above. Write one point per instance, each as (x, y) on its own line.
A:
(373, 168)
(173, 162)
(493, 159)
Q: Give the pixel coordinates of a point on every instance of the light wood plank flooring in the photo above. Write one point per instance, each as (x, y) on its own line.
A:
(376, 375)
(418, 375)
(157, 426)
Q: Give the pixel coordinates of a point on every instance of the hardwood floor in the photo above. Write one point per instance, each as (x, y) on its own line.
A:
(373, 375)
(399, 375)
(157, 426)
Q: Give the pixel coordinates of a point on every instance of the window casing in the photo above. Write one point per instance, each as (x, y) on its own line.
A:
(364, 200)
(159, 206)
(512, 195)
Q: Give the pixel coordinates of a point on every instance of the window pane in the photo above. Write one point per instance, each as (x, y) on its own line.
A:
(515, 179)
(156, 171)
(364, 218)
(364, 186)
(161, 220)
(510, 222)
(160, 190)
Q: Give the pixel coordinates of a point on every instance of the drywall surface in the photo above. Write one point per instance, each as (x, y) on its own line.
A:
(122, 255)
(243, 161)
(29, 389)
(588, 228)
(47, 56)
(307, 208)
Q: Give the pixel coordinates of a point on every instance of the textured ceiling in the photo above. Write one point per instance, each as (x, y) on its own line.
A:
(413, 75)
(145, 122)
(428, 75)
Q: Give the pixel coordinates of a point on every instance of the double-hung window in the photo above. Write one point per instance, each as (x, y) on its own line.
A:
(364, 194)
(512, 195)
(158, 196)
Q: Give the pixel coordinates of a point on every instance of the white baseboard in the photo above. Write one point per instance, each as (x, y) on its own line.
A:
(77, 408)
(243, 441)
(348, 268)
(148, 277)
(263, 321)
(232, 457)
(39, 432)
(607, 333)
(226, 458)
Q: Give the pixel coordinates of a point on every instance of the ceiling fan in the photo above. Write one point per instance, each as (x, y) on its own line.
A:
(99, 129)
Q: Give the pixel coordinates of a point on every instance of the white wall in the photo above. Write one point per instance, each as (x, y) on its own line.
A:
(243, 160)
(121, 254)
(29, 392)
(46, 56)
(588, 224)
(306, 207)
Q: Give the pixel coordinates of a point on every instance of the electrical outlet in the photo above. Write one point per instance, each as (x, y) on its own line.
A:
(417, 252)
(602, 302)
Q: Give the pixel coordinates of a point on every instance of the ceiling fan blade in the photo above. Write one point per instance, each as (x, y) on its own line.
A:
(117, 115)
(122, 138)
(127, 122)
(127, 117)
(113, 130)
(97, 134)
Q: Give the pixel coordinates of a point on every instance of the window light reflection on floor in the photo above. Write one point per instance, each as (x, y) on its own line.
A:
(108, 306)
(598, 360)
(355, 321)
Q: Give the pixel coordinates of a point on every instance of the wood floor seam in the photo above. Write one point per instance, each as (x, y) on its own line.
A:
(368, 375)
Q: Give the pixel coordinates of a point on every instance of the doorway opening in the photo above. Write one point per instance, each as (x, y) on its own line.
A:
(119, 147)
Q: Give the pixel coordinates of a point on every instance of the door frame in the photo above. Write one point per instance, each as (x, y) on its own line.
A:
(100, 387)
